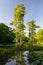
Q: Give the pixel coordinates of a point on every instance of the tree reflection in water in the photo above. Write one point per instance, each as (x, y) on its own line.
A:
(14, 56)
(19, 58)
(3, 59)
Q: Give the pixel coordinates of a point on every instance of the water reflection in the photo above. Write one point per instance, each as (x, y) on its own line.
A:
(3, 59)
(15, 58)
(19, 58)
(13, 62)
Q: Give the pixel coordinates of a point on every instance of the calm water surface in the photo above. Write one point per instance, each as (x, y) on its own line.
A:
(19, 60)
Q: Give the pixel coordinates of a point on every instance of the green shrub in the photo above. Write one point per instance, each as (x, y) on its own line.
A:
(35, 58)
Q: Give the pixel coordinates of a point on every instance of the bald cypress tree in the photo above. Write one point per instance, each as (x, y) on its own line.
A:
(32, 33)
(18, 22)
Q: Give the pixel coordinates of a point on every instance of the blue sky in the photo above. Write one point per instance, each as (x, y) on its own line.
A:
(34, 9)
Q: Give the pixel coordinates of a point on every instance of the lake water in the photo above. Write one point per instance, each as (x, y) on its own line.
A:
(19, 60)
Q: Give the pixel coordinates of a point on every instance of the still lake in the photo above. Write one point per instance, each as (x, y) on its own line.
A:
(21, 60)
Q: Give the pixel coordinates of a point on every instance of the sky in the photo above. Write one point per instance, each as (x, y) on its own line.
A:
(34, 9)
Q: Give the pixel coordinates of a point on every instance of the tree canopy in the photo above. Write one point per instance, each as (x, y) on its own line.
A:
(6, 34)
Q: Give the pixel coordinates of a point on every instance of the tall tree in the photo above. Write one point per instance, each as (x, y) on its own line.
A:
(18, 22)
(32, 33)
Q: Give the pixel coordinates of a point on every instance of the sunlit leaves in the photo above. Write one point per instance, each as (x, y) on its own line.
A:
(32, 34)
(39, 35)
(18, 22)
(31, 25)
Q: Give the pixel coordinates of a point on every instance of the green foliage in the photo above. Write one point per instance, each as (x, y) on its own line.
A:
(6, 34)
(18, 22)
(22, 42)
(19, 12)
(36, 48)
(36, 58)
(39, 35)
(32, 34)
